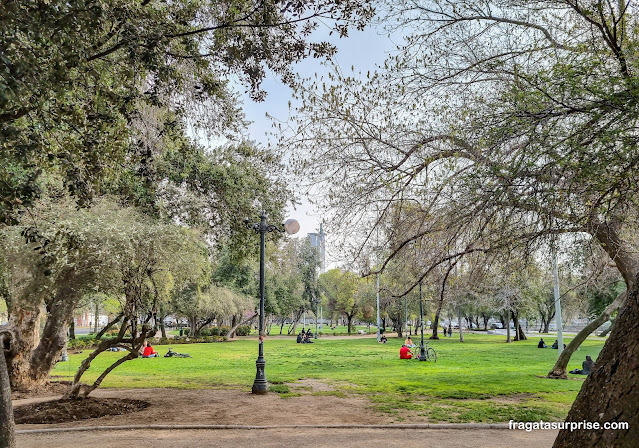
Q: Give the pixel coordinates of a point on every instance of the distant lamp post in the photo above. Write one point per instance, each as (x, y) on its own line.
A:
(291, 227)
(316, 301)
(422, 348)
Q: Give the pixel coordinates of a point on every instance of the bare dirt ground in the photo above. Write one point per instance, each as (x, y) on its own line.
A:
(239, 407)
(276, 438)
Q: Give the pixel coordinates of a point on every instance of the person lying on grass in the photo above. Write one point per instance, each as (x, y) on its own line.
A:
(405, 353)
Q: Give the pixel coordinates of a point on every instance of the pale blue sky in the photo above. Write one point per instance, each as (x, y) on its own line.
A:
(363, 50)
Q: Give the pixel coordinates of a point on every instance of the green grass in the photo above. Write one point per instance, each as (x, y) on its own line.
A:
(483, 379)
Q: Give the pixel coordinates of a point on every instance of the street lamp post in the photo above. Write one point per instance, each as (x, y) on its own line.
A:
(422, 349)
(260, 386)
(316, 301)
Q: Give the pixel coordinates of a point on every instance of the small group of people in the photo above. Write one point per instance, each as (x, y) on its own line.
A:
(305, 337)
(405, 352)
(449, 331)
(586, 367)
(146, 351)
(555, 345)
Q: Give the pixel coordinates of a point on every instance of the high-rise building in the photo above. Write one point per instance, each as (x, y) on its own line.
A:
(318, 240)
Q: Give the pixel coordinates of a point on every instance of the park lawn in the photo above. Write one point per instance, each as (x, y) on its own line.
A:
(481, 380)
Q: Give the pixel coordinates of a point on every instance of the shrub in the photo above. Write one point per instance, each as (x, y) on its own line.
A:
(243, 330)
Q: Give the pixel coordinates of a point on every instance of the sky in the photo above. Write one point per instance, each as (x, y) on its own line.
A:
(362, 50)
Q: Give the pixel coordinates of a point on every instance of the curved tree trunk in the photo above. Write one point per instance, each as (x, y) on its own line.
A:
(610, 393)
(242, 322)
(559, 369)
(106, 328)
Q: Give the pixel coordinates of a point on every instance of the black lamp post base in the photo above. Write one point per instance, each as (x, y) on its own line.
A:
(260, 388)
(260, 385)
(422, 354)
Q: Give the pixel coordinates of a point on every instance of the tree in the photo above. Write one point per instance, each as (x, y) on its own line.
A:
(77, 74)
(340, 288)
(202, 306)
(150, 260)
(104, 248)
(516, 119)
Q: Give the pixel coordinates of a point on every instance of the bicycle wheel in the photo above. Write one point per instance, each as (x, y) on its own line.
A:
(431, 355)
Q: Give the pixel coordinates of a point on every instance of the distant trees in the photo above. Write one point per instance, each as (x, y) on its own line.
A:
(202, 305)
(340, 288)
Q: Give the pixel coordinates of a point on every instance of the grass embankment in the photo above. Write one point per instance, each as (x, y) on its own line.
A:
(482, 380)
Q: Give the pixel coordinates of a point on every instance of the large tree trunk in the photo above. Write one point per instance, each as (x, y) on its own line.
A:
(520, 335)
(349, 317)
(7, 425)
(559, 370)
(21, 335)
(507, 326)
(610, 393)
(437, 314)
(54, 335)
(163, 328)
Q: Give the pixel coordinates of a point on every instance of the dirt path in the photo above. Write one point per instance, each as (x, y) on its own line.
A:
(314, 438)
(240, 407)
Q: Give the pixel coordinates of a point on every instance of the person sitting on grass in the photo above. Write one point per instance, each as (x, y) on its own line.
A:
(300, 338)
(541, 344)
(409, 342)
(586, 367)
(142, 347)
(405, 353)
(307, 338)
(148, 351)
(382, 339)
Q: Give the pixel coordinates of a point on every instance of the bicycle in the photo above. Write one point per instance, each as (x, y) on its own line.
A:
(429, 353)
(172, 354)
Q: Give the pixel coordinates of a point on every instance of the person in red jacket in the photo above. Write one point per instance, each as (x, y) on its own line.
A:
(405, 353)
(148, 351)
